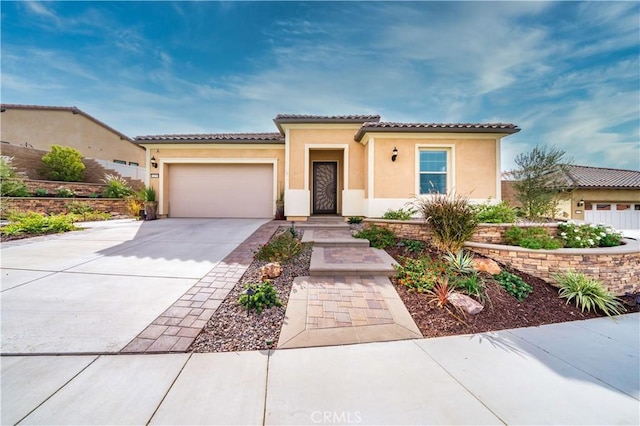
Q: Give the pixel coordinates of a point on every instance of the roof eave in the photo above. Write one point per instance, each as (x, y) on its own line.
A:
(319, 120)
(364, 130)
(207, 141)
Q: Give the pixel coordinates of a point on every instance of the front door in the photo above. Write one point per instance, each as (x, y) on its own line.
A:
(325, 185)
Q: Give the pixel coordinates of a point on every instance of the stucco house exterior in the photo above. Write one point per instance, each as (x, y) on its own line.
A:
(351, 165)
(39, 127)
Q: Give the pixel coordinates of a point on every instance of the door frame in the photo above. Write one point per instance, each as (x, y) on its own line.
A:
(313, 186)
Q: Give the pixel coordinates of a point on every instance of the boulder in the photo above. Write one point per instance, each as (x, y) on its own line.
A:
(486, 265)
(464, 302)
(271, 270)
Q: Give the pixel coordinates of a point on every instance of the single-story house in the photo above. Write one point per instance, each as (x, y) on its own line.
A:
(596, 195)
(351, 165)
(39, 127)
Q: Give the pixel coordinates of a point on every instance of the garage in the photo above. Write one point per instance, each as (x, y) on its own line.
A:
(221, 190)
(618, 215)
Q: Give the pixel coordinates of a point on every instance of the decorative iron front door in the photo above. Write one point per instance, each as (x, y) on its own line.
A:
(325, 184)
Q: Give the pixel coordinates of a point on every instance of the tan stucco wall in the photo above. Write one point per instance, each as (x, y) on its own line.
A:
(195, 153)
(474, 162)
(43, 128)
(299, 138)
(630, 196)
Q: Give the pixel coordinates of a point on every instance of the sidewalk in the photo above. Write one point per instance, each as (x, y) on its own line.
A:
(583, 372)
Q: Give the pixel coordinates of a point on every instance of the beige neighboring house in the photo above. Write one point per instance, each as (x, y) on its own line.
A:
(40, 127)
(601, 195)
(352, 165)
(598, 195)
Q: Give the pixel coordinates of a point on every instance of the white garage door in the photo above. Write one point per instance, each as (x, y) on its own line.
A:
(620, 216)
(221, 190)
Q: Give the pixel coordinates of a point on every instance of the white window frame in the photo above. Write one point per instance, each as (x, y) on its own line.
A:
(449, 150)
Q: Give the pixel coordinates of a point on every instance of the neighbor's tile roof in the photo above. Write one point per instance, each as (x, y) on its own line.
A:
(73, 109)
(596, 177)
(436, 127)
(273, 137)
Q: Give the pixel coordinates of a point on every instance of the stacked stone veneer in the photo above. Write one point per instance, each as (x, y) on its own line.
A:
(52, 187)
(618, 268)
(59, 205)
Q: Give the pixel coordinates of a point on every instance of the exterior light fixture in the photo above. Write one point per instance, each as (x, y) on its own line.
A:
(581, 203)
(154, 163)
(394, 154)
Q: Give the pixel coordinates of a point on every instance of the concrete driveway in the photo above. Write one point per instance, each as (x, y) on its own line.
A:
(95, 290)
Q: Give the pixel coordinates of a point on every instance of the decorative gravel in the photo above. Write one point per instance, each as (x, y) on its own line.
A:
(232, 328)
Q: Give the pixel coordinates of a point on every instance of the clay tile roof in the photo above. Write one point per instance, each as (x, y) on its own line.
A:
(327, 119)
(214, 137)
(437, 127)
(73, 109)
(596, 177)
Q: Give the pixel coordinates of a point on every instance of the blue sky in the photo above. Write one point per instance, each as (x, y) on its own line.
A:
(567, 73)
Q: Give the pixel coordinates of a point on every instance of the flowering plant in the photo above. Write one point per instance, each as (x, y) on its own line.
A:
(588, 235)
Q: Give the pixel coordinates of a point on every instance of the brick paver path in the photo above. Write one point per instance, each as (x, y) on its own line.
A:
(177, 327)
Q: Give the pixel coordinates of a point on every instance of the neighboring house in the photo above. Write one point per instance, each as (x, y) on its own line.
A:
(351, 165)
(602, 195)
(598, 195)
(40, 127)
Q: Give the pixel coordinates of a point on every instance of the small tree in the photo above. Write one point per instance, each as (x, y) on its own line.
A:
(64, 164)
(540, 177)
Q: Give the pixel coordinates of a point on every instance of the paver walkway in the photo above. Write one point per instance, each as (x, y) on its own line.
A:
(348, 297)
(177, 327)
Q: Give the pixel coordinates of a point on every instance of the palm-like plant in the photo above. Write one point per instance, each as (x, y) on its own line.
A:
(461, 262)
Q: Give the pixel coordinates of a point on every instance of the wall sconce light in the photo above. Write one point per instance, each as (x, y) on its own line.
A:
(394, 154)
(154, 163)
(581, 203)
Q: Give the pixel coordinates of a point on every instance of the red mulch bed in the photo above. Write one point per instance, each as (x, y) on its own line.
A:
(543, 306)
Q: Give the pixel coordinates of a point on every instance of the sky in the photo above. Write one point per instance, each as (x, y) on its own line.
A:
(567, 73)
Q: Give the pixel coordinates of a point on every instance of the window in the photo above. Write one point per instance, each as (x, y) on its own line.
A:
(620, 207)
(636, 207)
(433, 172)
(603, 206)
(133, 163)
(120, 162)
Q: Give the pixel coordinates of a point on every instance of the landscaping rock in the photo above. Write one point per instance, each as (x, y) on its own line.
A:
(486, 265)
(271, 271)
(465, 303)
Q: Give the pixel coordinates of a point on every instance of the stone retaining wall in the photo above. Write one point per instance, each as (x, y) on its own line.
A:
(486, 233)
(59, 205)
(81, 189)
(618, 268)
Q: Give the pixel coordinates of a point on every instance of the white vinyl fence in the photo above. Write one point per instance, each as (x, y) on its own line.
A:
(134, 172)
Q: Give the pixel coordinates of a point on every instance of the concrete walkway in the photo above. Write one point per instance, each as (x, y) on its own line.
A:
(348, 297)
(583, 372)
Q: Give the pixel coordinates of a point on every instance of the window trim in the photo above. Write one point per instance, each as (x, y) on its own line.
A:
(120, 162)
(450, 151)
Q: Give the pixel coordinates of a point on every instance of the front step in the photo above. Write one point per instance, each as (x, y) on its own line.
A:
(322, 237)
(349, 261)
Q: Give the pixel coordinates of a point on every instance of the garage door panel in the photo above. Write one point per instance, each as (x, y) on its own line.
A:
(221, 190)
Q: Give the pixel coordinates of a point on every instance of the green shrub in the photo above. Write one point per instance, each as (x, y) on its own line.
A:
(40, 192)
(587, 293)
(89, 216)
(36, 223)
(419, 274)
(588, 235)
(514, 285)
(10, 184)
(117, 187)
(354, 220)
(78, 207)
(413, 246)
(535, 238)
(495, 213)
(94, 195)
(400, 214)
(281, 248)
(451, 217)
(63, 163)
(259, 296)
(65, 193)
(473, 285)
(461, 262)
(148, 194)
(378, 236)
